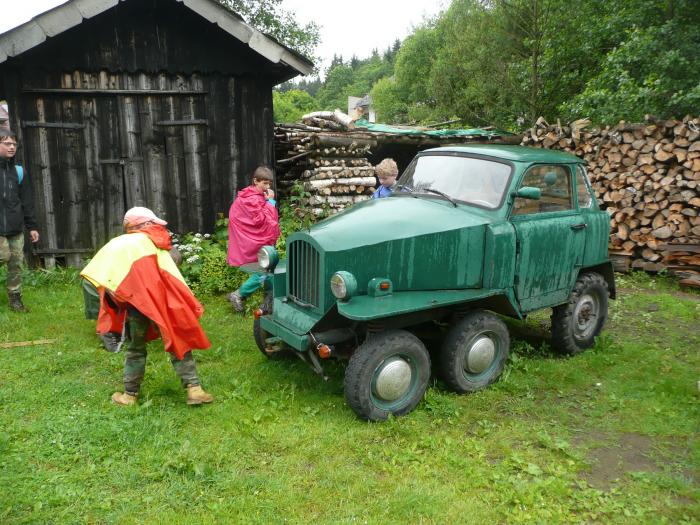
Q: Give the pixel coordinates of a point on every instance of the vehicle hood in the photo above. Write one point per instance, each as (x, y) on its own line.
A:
(418, 243)
(391, 219)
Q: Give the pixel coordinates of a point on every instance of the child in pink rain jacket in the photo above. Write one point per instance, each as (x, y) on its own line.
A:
(252, 223)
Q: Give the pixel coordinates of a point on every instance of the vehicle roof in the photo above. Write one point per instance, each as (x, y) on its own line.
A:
(513, 153)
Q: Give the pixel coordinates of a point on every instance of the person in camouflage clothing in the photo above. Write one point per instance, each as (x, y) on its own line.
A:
(143, 297)
(16, 213)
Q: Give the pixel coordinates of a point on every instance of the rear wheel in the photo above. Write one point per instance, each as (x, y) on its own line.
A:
(388, 374)
(474, 352)
(577, 323)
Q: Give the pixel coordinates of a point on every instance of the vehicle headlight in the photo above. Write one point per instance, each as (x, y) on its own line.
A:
(343, 285)
(268, 257)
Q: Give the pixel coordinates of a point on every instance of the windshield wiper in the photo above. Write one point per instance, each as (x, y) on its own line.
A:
(403, 187)
(437, 192)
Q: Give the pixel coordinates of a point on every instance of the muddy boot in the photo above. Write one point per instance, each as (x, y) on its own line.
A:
(236, 301)
(124, 399)
(16, 302)
(196, 395)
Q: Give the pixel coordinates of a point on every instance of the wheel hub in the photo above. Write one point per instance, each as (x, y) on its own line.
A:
(481, 354)
(393, 379)
(586, 316)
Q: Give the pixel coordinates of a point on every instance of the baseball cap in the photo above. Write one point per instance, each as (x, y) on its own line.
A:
(138, 215)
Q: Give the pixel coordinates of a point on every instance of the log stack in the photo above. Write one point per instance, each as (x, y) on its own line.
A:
(332, 169)
(647, 176)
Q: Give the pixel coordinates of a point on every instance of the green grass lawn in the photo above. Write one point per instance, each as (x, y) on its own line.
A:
(609, 436)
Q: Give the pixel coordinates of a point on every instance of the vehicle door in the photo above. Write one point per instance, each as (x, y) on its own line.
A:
(597, 221)
(550, 237)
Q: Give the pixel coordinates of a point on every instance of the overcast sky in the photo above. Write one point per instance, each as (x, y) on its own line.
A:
(348, 27)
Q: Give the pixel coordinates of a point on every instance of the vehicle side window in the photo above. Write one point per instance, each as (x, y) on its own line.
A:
(555, 184)
(584, 194)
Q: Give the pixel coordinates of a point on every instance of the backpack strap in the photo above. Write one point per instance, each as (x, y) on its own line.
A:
(20, 173)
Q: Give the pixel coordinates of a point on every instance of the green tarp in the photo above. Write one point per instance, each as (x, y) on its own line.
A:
(384, 128)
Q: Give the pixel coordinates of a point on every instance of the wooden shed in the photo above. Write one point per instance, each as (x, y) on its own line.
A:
(119, 103)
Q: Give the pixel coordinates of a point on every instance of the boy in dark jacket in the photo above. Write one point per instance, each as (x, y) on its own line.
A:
(16, 213)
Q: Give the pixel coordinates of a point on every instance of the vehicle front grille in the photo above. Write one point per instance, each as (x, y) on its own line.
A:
(303, 272)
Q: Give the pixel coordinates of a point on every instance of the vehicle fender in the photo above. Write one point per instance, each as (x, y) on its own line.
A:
(606, 270)
(367, 308)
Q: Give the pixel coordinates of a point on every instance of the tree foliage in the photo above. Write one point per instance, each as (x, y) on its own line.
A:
(507, 62)
(289, 106)
(269, 17)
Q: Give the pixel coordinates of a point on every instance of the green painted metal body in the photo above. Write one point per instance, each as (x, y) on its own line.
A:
(440, 254)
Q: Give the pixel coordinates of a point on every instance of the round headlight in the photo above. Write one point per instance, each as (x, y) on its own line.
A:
(343, 285)
(268, 257)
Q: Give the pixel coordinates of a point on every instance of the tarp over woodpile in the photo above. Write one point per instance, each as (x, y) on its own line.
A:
(412, 130)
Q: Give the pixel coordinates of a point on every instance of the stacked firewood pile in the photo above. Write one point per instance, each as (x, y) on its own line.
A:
(332, 169)
(647, 176)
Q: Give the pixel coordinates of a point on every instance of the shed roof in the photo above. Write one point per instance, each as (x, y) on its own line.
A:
(72, 13)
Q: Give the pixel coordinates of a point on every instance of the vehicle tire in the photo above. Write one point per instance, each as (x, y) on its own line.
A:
(261, 335)
(577, 323)
(474, 352)
(388, 374)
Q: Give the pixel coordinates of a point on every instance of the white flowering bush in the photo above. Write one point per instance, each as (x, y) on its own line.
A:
(204, 265)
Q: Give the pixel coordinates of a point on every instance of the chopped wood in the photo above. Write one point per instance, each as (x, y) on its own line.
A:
(647, 176)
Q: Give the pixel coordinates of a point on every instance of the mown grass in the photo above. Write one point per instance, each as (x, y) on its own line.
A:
(609, 436)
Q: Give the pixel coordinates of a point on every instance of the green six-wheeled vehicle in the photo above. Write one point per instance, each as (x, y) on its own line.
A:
(470, 234)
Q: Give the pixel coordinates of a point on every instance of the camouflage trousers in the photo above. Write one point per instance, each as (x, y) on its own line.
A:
(135, 361)
(12, 253)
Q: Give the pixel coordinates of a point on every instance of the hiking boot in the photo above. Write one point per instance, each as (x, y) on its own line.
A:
(124, 399)
(236, 301)
(15, 301)
(111, 341)
(196, 395)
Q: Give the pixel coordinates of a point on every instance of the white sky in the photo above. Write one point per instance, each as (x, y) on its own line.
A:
(347, 26)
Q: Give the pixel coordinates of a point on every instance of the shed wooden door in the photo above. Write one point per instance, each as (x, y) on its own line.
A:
(92, 157)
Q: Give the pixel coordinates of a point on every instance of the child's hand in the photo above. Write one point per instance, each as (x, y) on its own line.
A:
(269, 194)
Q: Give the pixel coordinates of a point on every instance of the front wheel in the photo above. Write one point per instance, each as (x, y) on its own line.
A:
(271, 352)
(577, 323)
(276, 352)
(474, 352)
(388, 374)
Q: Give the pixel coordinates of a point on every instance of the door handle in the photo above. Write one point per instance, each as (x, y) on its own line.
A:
(581, 226)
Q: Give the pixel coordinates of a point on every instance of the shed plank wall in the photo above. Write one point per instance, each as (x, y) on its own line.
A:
(93, 155)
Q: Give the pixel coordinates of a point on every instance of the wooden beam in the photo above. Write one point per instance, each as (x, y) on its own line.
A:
(62, 125)
(82, 91)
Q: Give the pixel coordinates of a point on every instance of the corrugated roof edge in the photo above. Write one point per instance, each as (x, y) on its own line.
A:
(65, 16)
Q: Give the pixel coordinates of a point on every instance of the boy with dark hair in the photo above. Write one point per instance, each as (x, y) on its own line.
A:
(252, 224)
(16, 213)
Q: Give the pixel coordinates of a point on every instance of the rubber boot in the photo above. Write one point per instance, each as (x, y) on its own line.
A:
(196, 395)
(236, 301)
(15, 300)
(124, 399)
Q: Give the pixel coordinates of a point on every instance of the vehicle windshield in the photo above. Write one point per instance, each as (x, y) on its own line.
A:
(475, 181)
